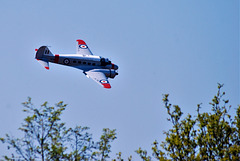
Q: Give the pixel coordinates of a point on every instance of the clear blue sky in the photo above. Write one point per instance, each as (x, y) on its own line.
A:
(183, 48)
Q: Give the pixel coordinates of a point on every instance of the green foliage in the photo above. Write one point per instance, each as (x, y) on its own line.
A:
(42, 132)
(208, 136)
(104, 147)
(47, 138)
(81, 143)
(119, 157)
(211, 135)
(143, 154)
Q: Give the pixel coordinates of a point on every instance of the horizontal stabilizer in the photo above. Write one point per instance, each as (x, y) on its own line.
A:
(45, 64)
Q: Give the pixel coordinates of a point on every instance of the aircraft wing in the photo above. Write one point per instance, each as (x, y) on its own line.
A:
(82, 48)
(99, 77)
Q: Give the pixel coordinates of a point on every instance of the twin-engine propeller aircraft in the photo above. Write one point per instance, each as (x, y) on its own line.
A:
(95, 67)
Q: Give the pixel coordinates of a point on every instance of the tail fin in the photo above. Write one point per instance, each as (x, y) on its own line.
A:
(43, 52)
(42, 56)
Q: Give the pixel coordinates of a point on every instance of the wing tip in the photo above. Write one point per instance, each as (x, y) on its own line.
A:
(81, 42)
(106, 85)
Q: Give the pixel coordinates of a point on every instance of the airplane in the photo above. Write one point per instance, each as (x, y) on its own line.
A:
(95, 67)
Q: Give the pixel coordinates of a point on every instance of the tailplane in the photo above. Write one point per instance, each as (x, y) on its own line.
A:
(45, 64)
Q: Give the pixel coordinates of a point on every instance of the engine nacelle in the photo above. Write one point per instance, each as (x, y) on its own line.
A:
(110, 73)
(111, 66)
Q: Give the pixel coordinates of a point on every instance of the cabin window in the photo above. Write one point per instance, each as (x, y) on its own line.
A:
(93, 64)
(79, 62)
(74, 61)
(84, 62)
(89, 63)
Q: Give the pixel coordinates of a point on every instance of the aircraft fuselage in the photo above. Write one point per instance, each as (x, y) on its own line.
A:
(82, 62)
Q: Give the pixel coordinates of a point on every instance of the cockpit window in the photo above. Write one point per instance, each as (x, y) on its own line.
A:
(105, 62)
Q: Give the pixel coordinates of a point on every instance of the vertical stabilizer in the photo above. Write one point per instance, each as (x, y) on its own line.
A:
(42, 55)
(43, 52)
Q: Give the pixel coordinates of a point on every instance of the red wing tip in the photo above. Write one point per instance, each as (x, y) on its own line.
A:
(36, 49)
(81, 42)
(106, 85)
(47, 68)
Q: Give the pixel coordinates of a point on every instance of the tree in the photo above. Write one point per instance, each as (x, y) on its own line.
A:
(211, 135)
(42, 132)
(47, 138)
(81, 144)
(104, 146)
(207, 136)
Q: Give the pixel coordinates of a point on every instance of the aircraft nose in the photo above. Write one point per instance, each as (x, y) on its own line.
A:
(115, 67)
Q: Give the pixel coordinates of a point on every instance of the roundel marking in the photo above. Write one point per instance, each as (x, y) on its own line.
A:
(66, 61)
(83, 46)
(103, 81)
